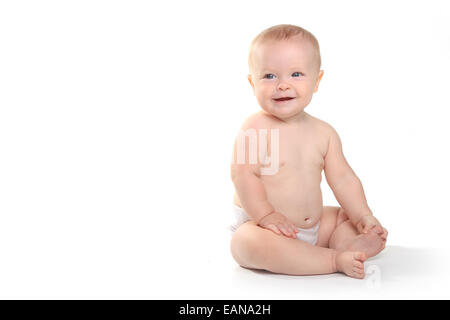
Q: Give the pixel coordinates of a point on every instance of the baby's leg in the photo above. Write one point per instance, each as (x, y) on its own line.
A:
(328, 223)
(345, 237)
(258, 248)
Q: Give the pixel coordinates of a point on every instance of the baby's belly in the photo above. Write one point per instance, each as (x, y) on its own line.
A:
(298, 198)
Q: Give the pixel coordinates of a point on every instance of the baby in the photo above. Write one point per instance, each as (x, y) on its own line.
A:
(282, 225)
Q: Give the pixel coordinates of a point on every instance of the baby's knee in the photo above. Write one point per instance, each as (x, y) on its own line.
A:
(248, 246)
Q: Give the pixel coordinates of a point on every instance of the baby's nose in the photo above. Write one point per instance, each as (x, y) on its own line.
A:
(283, 86)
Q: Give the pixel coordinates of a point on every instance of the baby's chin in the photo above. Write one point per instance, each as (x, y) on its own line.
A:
(284, 113)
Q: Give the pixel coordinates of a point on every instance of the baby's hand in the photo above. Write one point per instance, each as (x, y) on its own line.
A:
(279, 224)
(368, 222)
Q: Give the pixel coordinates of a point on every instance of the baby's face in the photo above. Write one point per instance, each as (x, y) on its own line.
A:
(285, 69)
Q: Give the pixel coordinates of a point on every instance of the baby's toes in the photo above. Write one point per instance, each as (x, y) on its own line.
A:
(358, 265)
(359, 257)
(377, 229)
(358, 273)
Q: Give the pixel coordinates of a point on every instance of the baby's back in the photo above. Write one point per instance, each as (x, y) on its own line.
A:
(294, 190)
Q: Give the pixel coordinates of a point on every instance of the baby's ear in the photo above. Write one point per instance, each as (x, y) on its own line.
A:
(319, 77)
(250, 79)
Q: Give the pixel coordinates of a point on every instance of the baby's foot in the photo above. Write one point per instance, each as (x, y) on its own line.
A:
(350, 263)
(370, 243)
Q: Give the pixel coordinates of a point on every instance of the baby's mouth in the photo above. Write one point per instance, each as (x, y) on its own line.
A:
(283, 99)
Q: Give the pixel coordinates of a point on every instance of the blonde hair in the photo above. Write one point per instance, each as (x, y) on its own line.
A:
(283, 32)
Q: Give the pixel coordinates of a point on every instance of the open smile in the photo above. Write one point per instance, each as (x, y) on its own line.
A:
(283, 100)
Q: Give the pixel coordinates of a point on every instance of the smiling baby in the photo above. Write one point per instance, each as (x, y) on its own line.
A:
(281, 224)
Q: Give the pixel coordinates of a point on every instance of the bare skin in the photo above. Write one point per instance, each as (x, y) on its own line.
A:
(291, 198)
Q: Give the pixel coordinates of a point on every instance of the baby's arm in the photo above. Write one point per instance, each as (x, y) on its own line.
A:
(253, 197)
(252, 194)
(251, 191)
(347, 187)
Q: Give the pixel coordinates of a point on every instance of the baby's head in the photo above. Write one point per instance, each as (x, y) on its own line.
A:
(284, 62)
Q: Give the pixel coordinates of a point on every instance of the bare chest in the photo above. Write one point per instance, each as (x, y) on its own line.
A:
(293, 152)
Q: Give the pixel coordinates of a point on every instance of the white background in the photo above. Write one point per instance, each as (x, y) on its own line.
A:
(117, 120)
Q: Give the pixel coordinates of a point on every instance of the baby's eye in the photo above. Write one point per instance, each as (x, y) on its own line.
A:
(269, 76)
(297, 74)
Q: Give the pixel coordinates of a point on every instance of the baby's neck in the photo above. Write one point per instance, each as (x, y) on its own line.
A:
(295, 119)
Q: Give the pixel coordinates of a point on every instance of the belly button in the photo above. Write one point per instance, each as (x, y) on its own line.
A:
(307, 220)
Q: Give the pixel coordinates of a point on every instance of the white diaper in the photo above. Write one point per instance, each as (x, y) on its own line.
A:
(239, 217)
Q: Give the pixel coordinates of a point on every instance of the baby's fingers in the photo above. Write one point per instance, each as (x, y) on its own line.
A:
(360, 227)
(385, 234)
(290, 230)
(382, 232)
(378, 229)
(273, 228)
(293, 230)
(286, 231)
(369, 227)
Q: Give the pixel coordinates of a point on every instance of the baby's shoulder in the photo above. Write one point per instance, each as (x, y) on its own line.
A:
(321, 126)
(258, 120)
